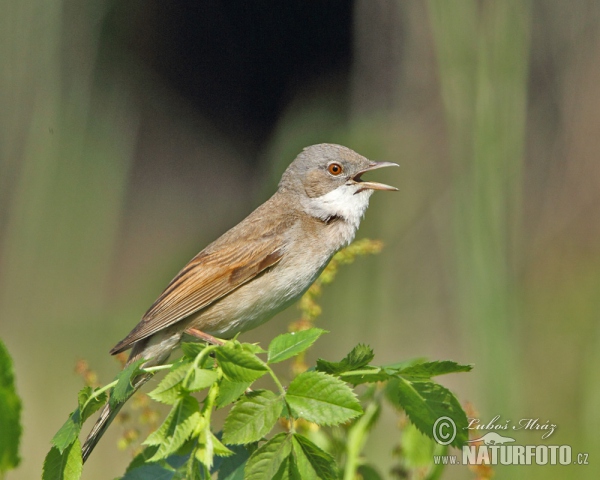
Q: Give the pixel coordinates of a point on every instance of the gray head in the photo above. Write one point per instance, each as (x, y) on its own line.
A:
(323, 168)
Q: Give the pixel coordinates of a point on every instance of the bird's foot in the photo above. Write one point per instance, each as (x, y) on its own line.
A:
(194, 332)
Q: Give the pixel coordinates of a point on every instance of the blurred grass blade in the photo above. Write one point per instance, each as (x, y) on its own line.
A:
(10, 414)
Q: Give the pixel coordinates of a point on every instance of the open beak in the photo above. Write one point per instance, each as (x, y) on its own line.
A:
(373, 185)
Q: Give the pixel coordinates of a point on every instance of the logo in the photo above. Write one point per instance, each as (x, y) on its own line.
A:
(493, 438)
(495, 449)
(444, 430)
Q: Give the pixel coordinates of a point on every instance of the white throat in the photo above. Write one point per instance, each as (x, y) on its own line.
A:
(343, 202)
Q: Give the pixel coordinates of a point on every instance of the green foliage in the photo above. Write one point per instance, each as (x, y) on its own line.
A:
(10, 413)
(65, 465)
(185, 446)
(326, 424)
(322, 399)
(290, 344)
(123, 389)
(238, 364)
(252, 417)
(425, 402)
(359, 357)
(176, 429)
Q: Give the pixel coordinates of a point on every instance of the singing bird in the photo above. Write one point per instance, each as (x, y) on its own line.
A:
(259, 267)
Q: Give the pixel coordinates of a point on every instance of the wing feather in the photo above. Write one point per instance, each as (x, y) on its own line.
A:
(209, 276)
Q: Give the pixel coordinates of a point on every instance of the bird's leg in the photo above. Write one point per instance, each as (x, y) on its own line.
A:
(194, 332)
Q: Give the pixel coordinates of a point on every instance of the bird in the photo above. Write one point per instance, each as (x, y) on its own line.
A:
(259, 267)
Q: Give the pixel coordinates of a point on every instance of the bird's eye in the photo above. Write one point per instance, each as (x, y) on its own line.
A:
(335, 169)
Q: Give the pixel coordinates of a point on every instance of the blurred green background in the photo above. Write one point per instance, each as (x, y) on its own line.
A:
(134, 133)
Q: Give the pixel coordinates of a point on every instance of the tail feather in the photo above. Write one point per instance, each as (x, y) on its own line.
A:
(156, 350)
(107, 415)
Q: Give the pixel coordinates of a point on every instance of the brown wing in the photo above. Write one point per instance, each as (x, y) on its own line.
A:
(206, 278)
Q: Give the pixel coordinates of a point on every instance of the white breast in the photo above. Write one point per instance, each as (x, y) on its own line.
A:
(342, 202)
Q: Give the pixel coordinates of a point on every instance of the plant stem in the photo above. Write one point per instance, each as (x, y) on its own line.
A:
(276, 380)
(157, 368)
(357, 436)
(99, 392)
(198, 361)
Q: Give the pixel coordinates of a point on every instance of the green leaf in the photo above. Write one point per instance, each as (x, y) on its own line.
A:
(425, 402)
(431, 369)
(94, 404)
(10, 413)
(177, 427)
(155, 471)
(142, 458)
(192, 469)
(238, 364)
(200, 379)
(192, 349)
(252, 417)
(170, 389)
(68, 433)
(253, 348)
(232, 468)
(205, 449)
(366, 374)
(417, 449)
(322, 399)
(123, 389)
(359, 357)
(264, 463)
(289, 470)
(63, 466)
(230, 391)
(312, 461)
(288, 345)
(369, 472)
(220, 449)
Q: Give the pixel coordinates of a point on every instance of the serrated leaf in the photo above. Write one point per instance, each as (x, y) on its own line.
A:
(170, 389)
(10, 413)
(322, 399)
(289, 470)
(238, 364)
(366, 374)
(63, 466)
(431, 369)
(252, 417)
(358, 357)
(290, 344)
(253, 348)
(177, 427)
(142, 458)
(94, 404)
(220, 449)
(264, 463)
(312, 461)
(68, 433)
(427, 370)
(425, 402)
(192, 469)
(155, 471)
(173, 386)
(123, 389)
(200, 379)
(232, 468)
(230, 391)
(205, 449)
(192, 349)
